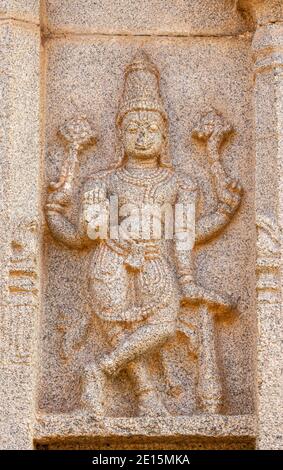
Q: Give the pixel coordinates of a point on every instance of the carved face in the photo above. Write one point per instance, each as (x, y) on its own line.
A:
(143, 134)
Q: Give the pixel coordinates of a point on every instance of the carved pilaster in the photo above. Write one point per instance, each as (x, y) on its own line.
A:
(268, 102)
(19, 217)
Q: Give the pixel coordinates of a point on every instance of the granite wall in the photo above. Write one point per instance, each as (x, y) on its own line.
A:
(60, 60)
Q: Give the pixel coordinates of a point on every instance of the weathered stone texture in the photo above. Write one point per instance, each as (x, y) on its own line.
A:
(196, 17)
(212, 72)
(267, 46)
(98, 66)
(20, 163)
(22, 10)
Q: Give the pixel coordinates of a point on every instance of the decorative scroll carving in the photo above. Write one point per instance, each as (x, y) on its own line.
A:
(141, 300)
(23, 286)
(268, 260)
(23, 279)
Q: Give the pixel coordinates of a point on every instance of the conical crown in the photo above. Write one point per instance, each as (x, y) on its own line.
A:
(141, 89)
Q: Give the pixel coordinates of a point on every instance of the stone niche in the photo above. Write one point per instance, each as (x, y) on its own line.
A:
(207, 372)
(85, 75)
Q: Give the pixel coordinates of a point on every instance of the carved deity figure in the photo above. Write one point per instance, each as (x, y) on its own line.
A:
(137, 283)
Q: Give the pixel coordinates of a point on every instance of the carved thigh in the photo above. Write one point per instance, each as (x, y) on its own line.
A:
(108, 280)
(156, 285)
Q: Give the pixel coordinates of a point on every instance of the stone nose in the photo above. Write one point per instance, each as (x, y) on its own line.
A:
(141, 137)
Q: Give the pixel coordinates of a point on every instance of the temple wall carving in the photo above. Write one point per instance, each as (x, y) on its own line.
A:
(119, 114)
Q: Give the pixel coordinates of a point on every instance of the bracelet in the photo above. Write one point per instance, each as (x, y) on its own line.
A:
(53, 207)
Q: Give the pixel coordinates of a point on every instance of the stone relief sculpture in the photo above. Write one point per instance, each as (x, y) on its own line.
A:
(141, 275)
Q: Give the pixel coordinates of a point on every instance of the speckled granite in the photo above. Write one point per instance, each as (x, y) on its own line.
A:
(184, 93)
(27, 10)
(195, 432)
(267, 46)
(223, 58)
(194, 17)
(19, 223)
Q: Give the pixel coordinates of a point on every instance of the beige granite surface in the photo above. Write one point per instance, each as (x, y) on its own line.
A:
(19, 228)
(126, 17)
(195, 432)
(215, 383)
(267, 46)
(22, 10)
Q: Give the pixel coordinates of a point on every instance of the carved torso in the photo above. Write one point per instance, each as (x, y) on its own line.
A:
(141, 191)
(115, 261)
(158, 185)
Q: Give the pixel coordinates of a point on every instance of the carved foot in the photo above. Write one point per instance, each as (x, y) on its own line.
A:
(211, 407)
(151, 405)
(93, 397)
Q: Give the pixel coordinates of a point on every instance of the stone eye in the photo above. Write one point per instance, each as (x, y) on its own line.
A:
(153, 128)
(132, 128)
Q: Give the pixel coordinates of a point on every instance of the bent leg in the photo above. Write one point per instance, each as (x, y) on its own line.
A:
(143, 340)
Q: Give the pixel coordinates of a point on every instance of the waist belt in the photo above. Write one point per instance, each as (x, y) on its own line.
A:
(135, 253)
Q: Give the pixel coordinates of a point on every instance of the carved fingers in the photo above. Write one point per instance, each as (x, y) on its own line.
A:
(196, 295)
(96, 195)
(235, 187)
(230, 195)
(95, 212)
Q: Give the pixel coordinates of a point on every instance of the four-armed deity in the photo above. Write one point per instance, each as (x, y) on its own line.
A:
(140, 279)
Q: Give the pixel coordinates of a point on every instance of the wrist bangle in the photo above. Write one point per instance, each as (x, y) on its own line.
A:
(53, 207)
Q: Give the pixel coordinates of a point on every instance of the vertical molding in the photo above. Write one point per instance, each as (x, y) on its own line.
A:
(268, 100)
(20, 219)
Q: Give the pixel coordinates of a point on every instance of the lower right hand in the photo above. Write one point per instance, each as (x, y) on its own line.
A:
(95, 212)
(195, 294)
